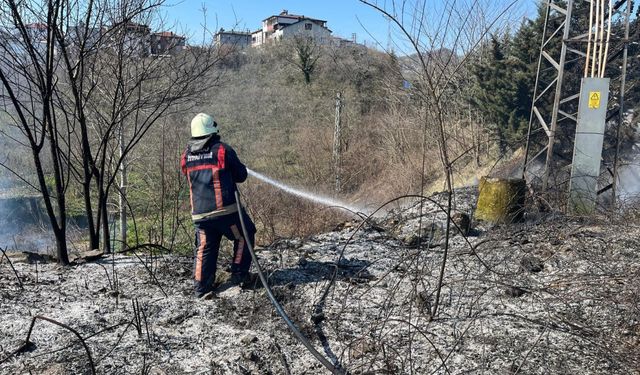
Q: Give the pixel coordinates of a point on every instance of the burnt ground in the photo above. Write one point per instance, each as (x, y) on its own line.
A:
(557, 296)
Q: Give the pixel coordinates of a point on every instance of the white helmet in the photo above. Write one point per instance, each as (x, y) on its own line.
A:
(203, 125)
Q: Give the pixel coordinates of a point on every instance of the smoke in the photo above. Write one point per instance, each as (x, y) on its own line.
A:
(21, 222)
(628, 187)
(6, 224)
(629, 182)
(325, 201)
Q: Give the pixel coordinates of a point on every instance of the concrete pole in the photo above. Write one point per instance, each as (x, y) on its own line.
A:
(123, 191)
(337, 144)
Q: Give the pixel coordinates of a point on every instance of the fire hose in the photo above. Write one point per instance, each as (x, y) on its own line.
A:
(279, 309)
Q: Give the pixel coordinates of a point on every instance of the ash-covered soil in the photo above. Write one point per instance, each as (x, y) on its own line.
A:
(553, 297)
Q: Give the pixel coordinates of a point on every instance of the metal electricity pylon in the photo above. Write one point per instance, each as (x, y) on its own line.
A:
(566, 38)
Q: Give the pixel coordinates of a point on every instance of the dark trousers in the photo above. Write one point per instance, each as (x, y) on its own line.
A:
(208, 235)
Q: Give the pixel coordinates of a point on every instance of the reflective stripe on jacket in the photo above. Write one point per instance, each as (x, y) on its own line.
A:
(212, 169)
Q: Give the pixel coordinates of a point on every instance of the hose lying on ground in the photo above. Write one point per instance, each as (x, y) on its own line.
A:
(279, 309)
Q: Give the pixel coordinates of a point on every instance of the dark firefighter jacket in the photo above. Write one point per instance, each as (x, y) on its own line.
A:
(212, 169)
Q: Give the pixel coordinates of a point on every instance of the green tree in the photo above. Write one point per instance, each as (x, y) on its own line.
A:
(502, 93)
(505, 76)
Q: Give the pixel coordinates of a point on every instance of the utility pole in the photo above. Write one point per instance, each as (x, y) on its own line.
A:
(337, 144)
(123, 190)
(163, 193)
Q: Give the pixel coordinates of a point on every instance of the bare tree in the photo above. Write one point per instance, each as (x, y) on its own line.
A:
(28, 65)
(306, 54)
(441, 41)
(107, 88)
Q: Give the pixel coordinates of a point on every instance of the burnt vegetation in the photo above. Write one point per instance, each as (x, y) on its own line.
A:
(94, 129)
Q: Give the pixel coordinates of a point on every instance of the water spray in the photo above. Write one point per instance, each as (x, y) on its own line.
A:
(306, 195)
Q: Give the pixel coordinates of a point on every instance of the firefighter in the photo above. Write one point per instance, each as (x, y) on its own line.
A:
(213, 169)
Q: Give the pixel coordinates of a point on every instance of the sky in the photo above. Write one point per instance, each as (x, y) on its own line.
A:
(344, 17)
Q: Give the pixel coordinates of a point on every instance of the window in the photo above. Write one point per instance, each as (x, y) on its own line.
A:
(308, 26)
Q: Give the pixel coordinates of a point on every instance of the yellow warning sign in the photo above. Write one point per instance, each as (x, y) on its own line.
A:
(594, 99)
